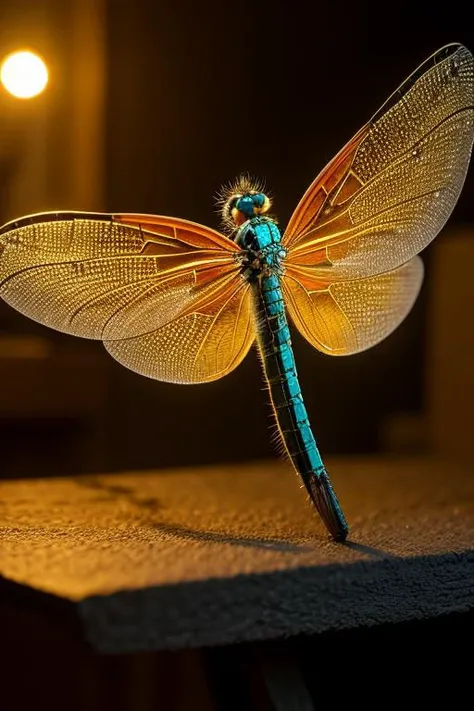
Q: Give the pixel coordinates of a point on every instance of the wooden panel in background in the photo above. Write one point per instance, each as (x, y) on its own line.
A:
(450, 348)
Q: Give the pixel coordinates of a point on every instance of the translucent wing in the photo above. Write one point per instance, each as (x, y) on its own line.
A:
(346, 317)
(392, 188)
(207, 341)
(110, 276)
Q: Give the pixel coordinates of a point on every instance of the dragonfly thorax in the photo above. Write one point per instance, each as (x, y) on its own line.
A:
(263, 252)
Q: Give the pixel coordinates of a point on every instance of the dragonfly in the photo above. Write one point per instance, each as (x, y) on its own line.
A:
(183, 303)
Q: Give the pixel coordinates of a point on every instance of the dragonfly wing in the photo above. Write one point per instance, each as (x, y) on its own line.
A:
(347, 317)
(108, 276)
(208, 340)
(392, 188)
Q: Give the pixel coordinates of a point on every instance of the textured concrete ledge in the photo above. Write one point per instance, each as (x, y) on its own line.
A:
(189, 558)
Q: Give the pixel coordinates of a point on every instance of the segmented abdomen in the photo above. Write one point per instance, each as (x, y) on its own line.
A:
(280, 370)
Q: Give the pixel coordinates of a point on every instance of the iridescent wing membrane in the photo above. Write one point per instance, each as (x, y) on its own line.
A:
(166, 295)
(351, 272)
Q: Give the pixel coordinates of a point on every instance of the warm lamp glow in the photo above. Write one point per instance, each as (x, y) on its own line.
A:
(24, 74)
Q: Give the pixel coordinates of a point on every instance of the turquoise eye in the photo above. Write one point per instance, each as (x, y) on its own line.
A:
(246, 205)
(258, 199)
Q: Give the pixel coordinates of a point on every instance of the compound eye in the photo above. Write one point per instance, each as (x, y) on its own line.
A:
(262, 203)
(230, 212)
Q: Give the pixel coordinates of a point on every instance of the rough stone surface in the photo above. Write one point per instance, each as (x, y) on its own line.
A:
(202, 557)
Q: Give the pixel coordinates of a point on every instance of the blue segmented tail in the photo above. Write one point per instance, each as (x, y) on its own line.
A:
(280, 371)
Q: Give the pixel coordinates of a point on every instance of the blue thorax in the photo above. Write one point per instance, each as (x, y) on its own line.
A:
(261, 240)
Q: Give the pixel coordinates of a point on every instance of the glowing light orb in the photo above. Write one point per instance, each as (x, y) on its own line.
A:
(23, 74)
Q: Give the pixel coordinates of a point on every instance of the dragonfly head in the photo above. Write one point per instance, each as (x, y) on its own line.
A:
(241, 201)
(244, 207)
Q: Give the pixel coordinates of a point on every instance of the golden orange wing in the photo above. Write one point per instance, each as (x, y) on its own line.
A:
(204, 342)
(107, 276)
(172, 283)
(351, 270)
(345, 317)
(392, 188)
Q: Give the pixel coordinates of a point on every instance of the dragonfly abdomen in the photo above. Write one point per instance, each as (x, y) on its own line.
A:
(281, 374)
(279, 366)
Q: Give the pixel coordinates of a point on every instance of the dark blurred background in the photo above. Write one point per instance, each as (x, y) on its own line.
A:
(150, 107)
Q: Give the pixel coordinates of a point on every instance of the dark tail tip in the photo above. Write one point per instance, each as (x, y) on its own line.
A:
(327, 505)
